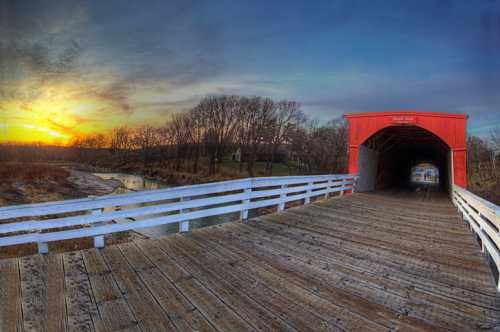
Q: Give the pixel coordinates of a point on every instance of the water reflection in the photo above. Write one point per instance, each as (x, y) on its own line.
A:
(131, 182)
(138, 183)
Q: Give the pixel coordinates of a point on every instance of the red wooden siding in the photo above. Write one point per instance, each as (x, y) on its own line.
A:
(450, 128)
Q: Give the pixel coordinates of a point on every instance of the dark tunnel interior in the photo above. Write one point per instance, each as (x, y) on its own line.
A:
(388, 156)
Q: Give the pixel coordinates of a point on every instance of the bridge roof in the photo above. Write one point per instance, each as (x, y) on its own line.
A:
(407, 112)
(451, 128)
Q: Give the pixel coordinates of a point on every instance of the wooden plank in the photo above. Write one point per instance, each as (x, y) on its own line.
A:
(147, 311)
(413, 208)
(81, 309)
(10, 296)
(367, 260)
(352, 302)
(368, 237)
(181, 312)
(113, 308)
(331, 261)
(452, 225)
(359, 210)
(56, 304)
(291, 312)
(409, 232)
(416, 244)
(377, 200)
(33, 274)
(248, 308)
(405, 213)
(331, 315)
(388, 263)
(430, 315)
(218, 314)
(407, 198)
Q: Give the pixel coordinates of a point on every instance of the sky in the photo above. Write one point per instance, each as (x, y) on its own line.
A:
(69, 68)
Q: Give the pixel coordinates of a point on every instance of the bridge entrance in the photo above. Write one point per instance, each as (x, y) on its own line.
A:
(387, 159)
(389, 149)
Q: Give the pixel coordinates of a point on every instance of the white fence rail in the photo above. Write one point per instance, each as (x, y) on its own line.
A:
(95, 217)
(484, 219)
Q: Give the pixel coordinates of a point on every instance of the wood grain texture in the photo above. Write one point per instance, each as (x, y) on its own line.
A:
(364, 262)
(11, 318)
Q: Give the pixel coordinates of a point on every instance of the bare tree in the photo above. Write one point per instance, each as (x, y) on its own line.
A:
(320, 148)
(288, 117)
(479, 155)
(182, 136)
(495, 151)
(197, 130)
(145, 139)
(255, 117)
(121, 139)
(220, 115)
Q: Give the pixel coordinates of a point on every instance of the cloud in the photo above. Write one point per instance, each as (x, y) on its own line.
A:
(36, 59)
(91, 65)
(40, 19)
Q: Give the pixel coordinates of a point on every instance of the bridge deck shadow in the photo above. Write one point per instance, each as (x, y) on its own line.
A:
(365, 262)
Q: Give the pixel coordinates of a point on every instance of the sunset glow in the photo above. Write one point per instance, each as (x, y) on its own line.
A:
(57, 114)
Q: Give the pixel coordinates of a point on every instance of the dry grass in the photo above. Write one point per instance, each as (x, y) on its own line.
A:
(31, 173)
(24, 183)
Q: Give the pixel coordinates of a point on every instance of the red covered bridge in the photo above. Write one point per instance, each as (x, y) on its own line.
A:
(384, 146)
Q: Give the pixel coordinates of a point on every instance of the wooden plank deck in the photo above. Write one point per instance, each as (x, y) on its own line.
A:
(365, 262)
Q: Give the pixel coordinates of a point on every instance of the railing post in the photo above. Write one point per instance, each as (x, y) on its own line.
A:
(184, 225)
(99, 239)
(328, 188)
(483, 247)
(43, 248)
(342, 184)
(354, 183)
(308, 192)
(281, 206)
(244, 212)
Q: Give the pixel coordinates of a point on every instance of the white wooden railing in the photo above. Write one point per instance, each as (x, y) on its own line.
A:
(54, 221)
(484, 219)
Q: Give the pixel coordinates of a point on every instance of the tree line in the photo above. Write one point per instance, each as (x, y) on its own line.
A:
(483, 158)
(257, 128)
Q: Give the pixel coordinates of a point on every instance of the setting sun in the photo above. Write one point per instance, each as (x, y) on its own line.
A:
(29, 134)
(56, 113)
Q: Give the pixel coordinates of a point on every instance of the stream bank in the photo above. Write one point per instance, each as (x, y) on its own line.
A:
(26, 183)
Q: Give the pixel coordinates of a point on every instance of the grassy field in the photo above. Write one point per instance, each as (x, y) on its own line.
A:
(279, 169)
